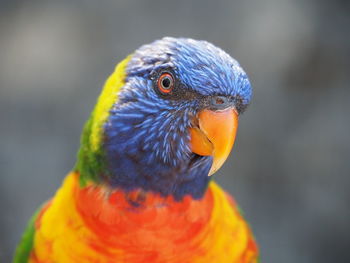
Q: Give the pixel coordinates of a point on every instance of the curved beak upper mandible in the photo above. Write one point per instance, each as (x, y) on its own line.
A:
(214, 135)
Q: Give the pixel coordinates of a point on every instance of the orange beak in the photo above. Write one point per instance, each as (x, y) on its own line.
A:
(215, 135)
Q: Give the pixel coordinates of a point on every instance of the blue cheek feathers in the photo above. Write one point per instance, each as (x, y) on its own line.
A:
(147, 145)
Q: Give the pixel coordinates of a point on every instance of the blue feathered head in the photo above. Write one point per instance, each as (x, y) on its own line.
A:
(179, 96)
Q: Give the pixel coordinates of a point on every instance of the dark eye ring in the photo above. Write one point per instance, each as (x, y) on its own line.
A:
(165, 83)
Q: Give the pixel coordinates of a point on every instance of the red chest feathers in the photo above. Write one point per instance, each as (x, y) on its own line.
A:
(145, 221)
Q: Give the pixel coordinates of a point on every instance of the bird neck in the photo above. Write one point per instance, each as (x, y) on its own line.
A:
(130, 170)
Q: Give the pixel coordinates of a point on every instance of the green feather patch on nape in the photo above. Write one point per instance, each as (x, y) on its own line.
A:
(91, 164)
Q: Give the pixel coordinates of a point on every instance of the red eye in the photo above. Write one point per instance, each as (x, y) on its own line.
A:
(165, 83)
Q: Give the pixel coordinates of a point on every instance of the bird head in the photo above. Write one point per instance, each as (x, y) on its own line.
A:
(166, 119)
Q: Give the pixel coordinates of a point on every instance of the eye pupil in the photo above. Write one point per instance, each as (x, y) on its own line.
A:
(166, 82)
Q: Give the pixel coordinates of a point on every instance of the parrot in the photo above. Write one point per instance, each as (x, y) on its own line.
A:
(142, 188)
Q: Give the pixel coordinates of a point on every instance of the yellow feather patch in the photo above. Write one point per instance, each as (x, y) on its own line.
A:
(63, 236)
(108, 96)
(225, 219)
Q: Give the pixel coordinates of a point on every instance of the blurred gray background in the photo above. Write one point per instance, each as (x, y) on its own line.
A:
(290, 168)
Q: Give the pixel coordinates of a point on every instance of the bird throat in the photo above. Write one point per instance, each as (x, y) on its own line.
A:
(130, 171)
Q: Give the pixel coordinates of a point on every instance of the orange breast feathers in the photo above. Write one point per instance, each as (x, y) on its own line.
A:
(94, 224)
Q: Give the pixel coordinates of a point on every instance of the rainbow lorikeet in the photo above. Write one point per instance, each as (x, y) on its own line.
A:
(141, 190)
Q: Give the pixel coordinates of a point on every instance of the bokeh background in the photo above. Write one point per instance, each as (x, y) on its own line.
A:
(290, 168)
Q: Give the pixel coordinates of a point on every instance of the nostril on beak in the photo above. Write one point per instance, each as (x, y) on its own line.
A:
(219, 102)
